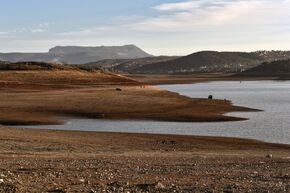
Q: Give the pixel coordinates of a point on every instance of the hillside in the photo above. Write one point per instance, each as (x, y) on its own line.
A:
(78, 55)
(128, 65)
(270, 69)
(206, 61)
(212, 61)
(44, 75)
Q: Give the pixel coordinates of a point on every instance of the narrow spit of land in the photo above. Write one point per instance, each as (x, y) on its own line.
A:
(36, 93)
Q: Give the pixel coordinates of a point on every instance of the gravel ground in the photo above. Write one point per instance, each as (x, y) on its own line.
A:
(59, 161)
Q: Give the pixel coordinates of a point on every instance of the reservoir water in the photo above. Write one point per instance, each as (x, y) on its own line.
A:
(271, 125)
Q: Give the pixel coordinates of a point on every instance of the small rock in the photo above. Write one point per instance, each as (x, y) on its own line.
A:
(269, 156)
(57, 190)
(82, 180)
(159, 186)
(173, 142)
(255, 172)
(1, 180)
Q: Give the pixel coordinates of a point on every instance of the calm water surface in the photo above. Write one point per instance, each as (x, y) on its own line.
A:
(272, 125)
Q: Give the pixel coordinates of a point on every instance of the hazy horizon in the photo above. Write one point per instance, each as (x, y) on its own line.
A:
(168, 27)
(194, 51)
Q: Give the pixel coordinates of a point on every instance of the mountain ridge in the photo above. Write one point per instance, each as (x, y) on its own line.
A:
(78, 54)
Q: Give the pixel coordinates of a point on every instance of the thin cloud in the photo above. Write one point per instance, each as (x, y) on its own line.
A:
(188, 5)
(39, 28)
(189, 15)
(193, 4)
(88, 31)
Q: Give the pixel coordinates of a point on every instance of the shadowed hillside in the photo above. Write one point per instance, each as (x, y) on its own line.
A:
(273, 69)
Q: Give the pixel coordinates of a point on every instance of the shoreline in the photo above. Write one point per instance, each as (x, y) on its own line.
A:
(193, 136)
(77, 136)
(163, 79)
(133, 102)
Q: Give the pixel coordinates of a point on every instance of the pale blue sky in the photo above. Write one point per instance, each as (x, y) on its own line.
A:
(168, 27)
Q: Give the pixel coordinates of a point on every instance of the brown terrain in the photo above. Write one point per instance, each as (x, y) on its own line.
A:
(41, 160)
(67, 161)
(38, 93)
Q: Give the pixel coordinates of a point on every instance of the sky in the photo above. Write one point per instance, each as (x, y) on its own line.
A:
(160, 27)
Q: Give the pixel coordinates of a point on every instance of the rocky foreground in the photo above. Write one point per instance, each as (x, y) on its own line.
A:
(59, 161)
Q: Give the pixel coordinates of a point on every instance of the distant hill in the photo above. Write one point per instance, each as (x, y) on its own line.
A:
(131, 59)
(212, 61)
(269, 69)
(206, 61)
(78, 55)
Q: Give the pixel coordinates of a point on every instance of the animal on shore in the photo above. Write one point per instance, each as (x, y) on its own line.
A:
(210, 97)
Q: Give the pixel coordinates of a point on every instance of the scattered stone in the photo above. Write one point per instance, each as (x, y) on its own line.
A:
(172, 142)
(82, 180)
(255, 172)
(57, 190)
(269, 156)
(159, 186)
(7, 188)
(144, 187)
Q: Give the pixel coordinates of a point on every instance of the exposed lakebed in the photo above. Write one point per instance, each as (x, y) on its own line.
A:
(271, 125)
